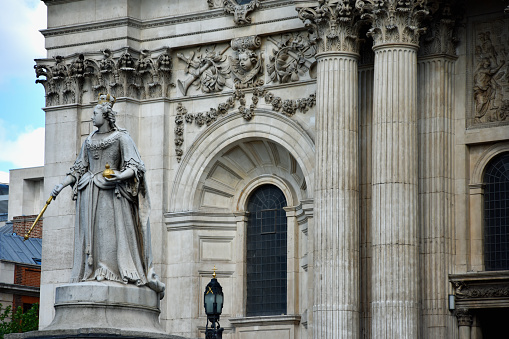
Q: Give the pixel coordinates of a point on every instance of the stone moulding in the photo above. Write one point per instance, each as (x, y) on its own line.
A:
(481, 289)
(80, 78)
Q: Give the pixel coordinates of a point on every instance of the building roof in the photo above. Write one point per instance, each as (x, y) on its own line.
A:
(13, 248)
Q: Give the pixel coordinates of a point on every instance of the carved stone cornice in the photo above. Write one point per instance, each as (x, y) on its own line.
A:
(335, 24)
(481, 289)
(441, 35)
(394, 21)
(464, 317)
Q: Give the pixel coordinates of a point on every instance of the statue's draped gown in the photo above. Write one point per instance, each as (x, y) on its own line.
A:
(112, 234)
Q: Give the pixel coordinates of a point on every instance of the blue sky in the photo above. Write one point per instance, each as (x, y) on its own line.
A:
(21, 100)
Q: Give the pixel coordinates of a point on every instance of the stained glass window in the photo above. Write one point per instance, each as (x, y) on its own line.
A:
(266, 252)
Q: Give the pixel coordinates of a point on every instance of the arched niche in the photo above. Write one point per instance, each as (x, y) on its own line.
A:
(233, 153)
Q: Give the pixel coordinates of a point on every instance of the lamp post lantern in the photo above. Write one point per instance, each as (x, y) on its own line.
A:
(213, 303)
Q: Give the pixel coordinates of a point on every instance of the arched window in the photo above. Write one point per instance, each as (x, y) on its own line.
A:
(266, 252)
(496, 213)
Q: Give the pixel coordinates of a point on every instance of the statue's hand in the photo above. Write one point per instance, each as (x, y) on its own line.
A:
(116, 176)
(57, 190)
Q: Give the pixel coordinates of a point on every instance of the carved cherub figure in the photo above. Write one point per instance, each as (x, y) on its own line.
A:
(246, 67)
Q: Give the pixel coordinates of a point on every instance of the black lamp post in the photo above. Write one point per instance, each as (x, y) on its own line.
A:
(213, 302)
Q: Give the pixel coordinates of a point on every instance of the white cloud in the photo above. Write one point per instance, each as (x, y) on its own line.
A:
(26, 151)
(20, 22)
(4, 177)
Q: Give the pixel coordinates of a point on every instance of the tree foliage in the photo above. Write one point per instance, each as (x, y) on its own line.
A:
(15, 321)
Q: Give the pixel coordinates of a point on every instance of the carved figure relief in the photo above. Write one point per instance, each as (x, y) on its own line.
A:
(207, 71)
(292, 58)
(126, 72)
(240, 9)
(491, 72)
(247, 65)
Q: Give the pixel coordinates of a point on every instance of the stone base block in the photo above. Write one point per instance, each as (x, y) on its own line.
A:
(90, 333)
(103, 310)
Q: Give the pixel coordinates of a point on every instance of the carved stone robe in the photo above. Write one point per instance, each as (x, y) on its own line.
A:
(112, 232)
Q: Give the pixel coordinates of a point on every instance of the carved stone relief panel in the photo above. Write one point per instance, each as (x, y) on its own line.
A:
(247, 63)
(126, 72)
(490, 71)
(240, 65)
(292, 57)
(207, 70)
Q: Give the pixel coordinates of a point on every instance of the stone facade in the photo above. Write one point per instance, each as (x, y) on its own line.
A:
(376, 120)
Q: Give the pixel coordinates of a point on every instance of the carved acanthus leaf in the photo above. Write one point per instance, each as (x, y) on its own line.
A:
(441, 35)
(394, 21)
(464, 317)
(335, 24)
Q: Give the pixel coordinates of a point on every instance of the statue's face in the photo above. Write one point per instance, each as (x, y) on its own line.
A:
(98, 119)
(245, 62)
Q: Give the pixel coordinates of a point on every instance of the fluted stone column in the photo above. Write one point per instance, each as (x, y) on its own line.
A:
(336, 304)
(337, 294)
(395, 237)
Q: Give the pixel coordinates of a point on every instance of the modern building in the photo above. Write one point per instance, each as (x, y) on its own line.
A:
(344, 164)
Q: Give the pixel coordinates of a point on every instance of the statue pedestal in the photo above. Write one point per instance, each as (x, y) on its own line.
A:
(103, 310)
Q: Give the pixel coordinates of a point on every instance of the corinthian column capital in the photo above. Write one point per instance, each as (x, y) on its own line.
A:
(464, 317)
(442, 24)
(394, 21)
(335, 24)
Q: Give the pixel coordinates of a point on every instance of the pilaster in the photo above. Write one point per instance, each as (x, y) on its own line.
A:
(336, 305)
(436, 169)
(395, 239)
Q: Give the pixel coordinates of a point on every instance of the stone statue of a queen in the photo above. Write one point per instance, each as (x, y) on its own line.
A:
(112, 231)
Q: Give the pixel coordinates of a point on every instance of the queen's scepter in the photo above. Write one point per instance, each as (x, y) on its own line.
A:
(27, 235)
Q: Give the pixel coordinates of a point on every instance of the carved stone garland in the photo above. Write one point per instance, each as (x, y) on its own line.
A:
(287, 107)
(67, 79)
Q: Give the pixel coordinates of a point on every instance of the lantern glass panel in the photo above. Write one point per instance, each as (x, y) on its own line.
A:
(209, 303)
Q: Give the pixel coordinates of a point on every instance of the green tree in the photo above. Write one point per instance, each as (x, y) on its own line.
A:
(15, 321)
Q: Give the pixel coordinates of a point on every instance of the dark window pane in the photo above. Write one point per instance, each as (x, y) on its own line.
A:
(496, 213)
(266, 254)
